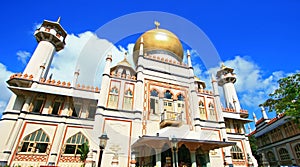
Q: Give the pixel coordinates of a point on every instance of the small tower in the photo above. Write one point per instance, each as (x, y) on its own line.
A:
(226, 78)
(51, 38)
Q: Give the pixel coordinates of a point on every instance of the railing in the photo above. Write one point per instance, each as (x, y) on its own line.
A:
(169, 118)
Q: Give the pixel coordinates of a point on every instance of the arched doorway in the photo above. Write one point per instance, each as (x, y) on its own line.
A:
(166, 156)
(184, 156)
(146, 157)
(202, 158)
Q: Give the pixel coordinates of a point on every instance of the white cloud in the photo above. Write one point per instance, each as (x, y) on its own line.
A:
(5, 93)
(87, 53)
(23, 56)
(252, 85)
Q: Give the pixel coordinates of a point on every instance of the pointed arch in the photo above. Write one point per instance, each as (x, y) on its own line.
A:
(212, 111)
(270, 156)
(128, 99)
(113, 97)
(180, 103)
(38, 103)
(154, 93)
(202, 110)
(74, 142)
(297, 151)
(168, 94)
(284, 154)
(35, 142)
(236, 152)
(57, 105)
(184, 155)
(180, 97)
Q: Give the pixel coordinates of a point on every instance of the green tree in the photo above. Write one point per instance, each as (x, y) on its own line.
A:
(253, 145)
(84, 151)
(285, 98)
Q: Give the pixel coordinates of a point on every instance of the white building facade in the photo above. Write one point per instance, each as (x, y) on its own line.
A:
(156, 114)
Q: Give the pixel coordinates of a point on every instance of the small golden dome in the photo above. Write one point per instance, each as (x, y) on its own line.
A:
(159, 40)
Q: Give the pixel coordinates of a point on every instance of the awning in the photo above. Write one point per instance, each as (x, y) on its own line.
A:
(159, 142)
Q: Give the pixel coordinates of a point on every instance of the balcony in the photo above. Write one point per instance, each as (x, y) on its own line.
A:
(169, 118)
(243, 113)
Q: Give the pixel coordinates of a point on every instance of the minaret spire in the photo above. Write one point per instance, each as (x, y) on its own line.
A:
(58, 19)
(157, 24)
(254, 117)
(188, 54)
(263, 112)
(141, 47)
(249, 128)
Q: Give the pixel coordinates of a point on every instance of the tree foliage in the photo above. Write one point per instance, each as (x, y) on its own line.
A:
(84, 151)
(286, 98)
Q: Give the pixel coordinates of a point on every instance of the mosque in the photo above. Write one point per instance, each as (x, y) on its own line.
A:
(157, 113)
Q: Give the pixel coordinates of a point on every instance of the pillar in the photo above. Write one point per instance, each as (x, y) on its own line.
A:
(57, 143)
(16, 129)
(158, 157)
(227, 158)
(193, 158)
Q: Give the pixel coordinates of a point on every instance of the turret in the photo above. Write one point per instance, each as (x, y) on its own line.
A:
(263, 112)
(254, 117)
(226, 78)
(51, 38)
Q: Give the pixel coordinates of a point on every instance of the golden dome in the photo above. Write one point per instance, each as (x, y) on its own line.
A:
(159, 40)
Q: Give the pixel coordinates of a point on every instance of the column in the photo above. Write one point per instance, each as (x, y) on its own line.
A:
(264, 160)
(227, 158)
(57, 143)
(17, 128)
(158, 157)
(65, 111)
(193, 158)
(175, 157)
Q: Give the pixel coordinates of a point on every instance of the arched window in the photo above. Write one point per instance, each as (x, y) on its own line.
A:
(237, 126)
(38, 103)
(92, 110)
(57, 105)
(212, 112)
(74, 142)
(154, 101)
(168, 95)
(180, 104)
(236, 152)
(76, 107)
(284, 154)
(113, 98)
(271, 156)
(36, 142)
(168, 102)
(127, 103)
(297, 151)
(202, 110)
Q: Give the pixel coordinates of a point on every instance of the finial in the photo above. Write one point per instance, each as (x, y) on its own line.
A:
(142, 39)
(188, 53)
(125, 55)
(223, 65)
(157, 24)
(58, 20)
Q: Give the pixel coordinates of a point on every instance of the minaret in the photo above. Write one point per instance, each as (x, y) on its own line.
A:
(254, 117)
(51, 38)
(226, 78)
(263, 112)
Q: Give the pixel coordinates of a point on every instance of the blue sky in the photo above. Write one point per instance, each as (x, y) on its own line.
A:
(260, 38)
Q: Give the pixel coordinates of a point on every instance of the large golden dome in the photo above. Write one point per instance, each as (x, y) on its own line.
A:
(159, 41)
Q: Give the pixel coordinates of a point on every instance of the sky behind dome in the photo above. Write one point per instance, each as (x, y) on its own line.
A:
(260, 39)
